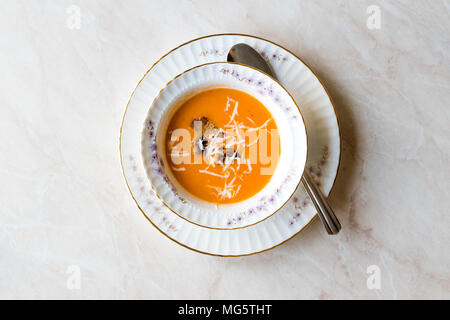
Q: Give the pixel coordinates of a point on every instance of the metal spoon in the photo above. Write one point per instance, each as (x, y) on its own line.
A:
(245, 54)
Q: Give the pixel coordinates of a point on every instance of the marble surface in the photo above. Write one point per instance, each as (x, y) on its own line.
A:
(65, 209)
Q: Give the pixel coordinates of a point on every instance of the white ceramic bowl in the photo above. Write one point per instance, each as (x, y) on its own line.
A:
(293, 142)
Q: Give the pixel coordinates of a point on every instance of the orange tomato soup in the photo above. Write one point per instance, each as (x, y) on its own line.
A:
(218, 144)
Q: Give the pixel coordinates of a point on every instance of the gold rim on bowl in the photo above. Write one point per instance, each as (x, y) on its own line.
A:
(304, 125)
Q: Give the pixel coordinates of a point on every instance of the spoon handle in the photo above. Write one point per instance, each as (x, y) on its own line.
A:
(325, 212)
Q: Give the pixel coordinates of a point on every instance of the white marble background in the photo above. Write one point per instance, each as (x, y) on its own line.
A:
(64, 202)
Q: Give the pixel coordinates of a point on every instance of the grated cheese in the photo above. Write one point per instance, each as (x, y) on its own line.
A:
(220, 142)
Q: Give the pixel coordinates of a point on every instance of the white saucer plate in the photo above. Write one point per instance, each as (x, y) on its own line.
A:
(322, 161)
